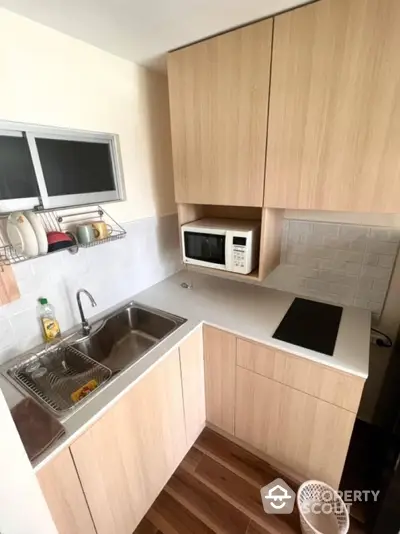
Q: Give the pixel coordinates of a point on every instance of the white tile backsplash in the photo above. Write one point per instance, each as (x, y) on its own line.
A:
(344, 263)
(112, 272)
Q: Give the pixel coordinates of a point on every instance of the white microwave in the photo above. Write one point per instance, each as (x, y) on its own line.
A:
(224, 244)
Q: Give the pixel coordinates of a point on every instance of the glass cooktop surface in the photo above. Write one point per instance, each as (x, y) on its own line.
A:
(310, 324)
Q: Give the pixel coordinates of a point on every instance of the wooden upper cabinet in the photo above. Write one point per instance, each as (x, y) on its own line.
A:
(334, 122)
(219, 104)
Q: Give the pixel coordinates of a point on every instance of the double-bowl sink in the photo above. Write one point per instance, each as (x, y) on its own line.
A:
(64, 376)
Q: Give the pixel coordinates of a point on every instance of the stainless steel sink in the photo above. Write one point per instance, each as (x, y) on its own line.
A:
(126, 336)
(116, 342)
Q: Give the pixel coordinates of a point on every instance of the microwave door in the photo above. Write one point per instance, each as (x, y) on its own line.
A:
(205, 249)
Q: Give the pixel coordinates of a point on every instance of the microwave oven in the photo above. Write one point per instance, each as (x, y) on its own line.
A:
(224, 244)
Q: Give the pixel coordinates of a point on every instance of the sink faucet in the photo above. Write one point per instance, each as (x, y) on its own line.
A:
(85, 324)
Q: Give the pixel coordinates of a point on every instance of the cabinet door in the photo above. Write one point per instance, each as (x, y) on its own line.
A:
(126, 458)
(64, 496)
(192, 369)
(220, 368)
(219, 104)
(334, 122)
(309, 436)
(325, 383)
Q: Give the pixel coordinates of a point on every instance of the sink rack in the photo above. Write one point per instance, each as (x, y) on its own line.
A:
(62, 220)
(67, 370)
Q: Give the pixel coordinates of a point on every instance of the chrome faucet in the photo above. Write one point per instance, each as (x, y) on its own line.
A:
(86, 328)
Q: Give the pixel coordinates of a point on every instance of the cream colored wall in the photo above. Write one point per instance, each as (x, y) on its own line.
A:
(49, 78)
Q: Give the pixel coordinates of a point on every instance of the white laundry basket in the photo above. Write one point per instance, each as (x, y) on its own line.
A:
(322, 510)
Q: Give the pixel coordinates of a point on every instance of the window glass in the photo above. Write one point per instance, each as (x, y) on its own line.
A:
(75, 167)
(17, 175)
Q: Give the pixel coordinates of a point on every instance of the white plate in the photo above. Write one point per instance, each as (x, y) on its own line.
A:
(39, 230)
(21, 235)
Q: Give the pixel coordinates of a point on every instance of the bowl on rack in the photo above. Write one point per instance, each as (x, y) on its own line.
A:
(59, 241)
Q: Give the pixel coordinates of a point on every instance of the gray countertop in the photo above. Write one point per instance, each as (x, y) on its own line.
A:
(246, 310)
(254, 312)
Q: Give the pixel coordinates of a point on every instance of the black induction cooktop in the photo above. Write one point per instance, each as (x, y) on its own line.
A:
(312, 325)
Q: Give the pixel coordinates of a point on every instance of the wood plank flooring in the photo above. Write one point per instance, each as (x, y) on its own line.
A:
(216, 489)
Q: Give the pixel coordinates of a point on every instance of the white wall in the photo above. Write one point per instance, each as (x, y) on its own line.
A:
(50, 78)
(112, 272)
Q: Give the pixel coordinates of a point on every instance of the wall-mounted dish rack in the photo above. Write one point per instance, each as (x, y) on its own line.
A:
(62, 220)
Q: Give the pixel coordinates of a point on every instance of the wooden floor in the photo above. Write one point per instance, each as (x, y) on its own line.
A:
(217, 489)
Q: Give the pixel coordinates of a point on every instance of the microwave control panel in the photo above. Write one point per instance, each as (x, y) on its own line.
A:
(239, 252)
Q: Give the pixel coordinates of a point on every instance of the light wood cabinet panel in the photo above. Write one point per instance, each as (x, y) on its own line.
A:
(336, 387)
(313, 436)
(220, 371)
(257, 409)
(334, 122)
(219, 105)
(308, 435)
(255, 357)
(126, 458)
(64, 495)
(192, 369)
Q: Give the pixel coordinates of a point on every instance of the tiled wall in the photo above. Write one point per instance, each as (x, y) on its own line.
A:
(342, 263)
(112, 272)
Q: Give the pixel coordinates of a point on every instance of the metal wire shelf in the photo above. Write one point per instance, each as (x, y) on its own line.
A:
(65, 371)
(62, 220)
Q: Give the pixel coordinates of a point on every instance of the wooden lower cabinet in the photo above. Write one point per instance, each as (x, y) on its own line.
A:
(306, 434)
(125, 459)
(192, 369)
(334, 386)
(271, 401)
(64, 496)
(220, 369)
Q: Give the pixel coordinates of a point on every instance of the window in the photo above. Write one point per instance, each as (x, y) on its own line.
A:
(57, 167)
(18, 186)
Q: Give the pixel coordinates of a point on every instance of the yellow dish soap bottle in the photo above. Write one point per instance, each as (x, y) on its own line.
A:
(50, 326)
